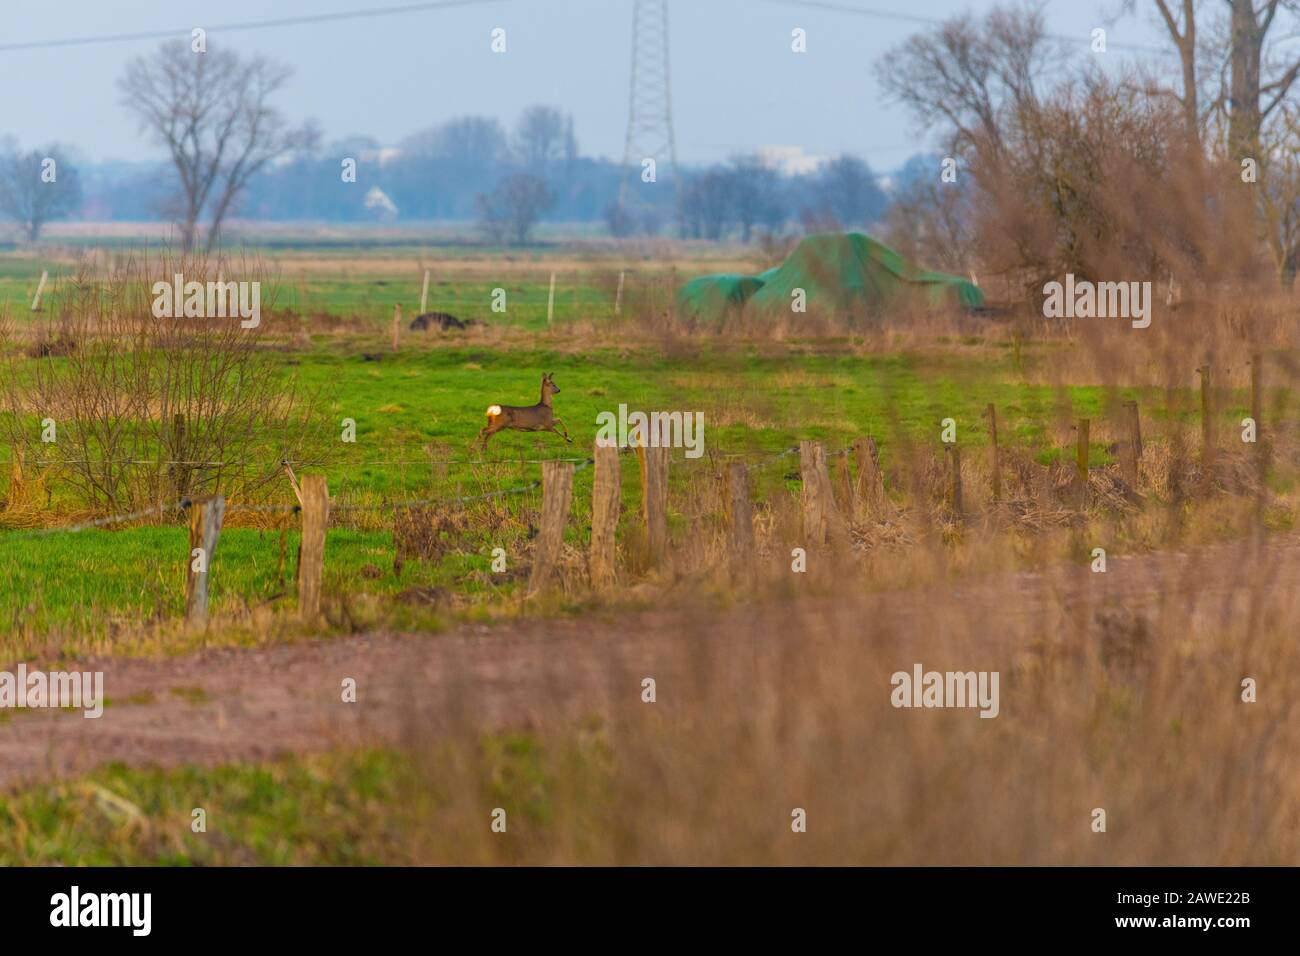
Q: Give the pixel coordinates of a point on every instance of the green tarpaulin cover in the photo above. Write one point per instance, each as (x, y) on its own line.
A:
(714, 295)
(839, 273)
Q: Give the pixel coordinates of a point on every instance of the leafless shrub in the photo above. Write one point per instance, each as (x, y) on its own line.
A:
(152, 409)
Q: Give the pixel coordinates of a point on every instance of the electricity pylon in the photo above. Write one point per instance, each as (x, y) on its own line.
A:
(650, 108)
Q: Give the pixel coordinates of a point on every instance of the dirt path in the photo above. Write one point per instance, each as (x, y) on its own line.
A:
(250, 704)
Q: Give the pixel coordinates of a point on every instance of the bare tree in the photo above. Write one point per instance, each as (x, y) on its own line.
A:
(706, 204)
(756, 194)
(1249, 28)
(618, 219)
(37, 186)
(968, 71)
(1263, 126)
(544, 136)
(491, 217)
(1249, 53)
(514, 207)
(929, 221)
(1182, 32)
(1091, 175)
(846, 187)
(1255, 70)
(1278, 193)
(212, 111)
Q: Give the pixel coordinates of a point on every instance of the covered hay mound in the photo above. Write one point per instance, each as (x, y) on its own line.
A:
(842, 274)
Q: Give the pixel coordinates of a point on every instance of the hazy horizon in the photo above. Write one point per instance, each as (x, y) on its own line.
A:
(736, 85)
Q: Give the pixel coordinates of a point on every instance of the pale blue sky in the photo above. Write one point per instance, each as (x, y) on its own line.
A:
(736, 85)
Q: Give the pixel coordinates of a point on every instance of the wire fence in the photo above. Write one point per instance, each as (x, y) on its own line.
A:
(103, 522)
(194, 463)
(183, 504)
(352, 462)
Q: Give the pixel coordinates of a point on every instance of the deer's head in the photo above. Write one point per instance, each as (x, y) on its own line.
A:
(548, 385)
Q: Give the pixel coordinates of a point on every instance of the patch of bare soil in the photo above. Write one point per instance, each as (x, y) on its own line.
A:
(234, 704)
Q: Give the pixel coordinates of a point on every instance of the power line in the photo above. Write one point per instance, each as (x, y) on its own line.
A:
(828, 5)
(936, 21)
(860, 11)
(247, 25)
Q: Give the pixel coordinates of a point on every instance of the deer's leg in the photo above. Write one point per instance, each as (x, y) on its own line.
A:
(557, 426)
(490, 429)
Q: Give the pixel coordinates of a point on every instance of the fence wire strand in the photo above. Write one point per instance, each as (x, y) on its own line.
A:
(159, 510)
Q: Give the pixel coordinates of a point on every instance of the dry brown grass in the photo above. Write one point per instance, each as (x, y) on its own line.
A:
(1120, 692)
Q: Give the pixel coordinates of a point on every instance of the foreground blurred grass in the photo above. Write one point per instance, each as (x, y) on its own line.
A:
(1130, 702)
(311, 811)
(1121, 691)
(347, 808)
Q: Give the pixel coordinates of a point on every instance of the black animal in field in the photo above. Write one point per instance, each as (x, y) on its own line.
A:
(438, 320)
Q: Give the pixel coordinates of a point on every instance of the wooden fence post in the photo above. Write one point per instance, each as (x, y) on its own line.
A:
(994, 463)
(397, 321)
(605, 500)
(1133, 447)
(818, 500)
(618, 298)
(843, 485)
(1207, 425)
(654, 499)
(557, 496)
(1255, 409)
(954, 480)
(206, 515)
(1137, 430)
(550, 303)
(740, 524)
(424, 294)
(40, 288)
(1081, 460)
(311, 560)
(870, 487)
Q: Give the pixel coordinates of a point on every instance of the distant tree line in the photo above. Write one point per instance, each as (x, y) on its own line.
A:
(746, 194)
(232, 154)
(470, 170)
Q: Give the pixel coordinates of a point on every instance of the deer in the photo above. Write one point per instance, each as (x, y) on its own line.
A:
(526, 418)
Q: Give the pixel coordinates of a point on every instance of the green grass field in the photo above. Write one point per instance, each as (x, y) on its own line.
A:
(312, 811)
(359, 807)
(417, 413)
